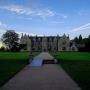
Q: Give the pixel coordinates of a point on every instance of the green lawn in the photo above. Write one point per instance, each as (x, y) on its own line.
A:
(77, 65)
(72, 55)
(11, 63)
(15, 56)
(8, 69)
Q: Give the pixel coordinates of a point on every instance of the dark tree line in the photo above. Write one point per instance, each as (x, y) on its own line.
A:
(11, 39)
(83, 41)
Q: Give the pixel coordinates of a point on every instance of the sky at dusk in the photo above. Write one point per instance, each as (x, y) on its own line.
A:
(46, 17)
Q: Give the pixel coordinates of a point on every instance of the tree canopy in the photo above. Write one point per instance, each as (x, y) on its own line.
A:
(84, 41)
(11, 39)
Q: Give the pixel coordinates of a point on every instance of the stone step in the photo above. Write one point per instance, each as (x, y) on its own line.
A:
(49, 61)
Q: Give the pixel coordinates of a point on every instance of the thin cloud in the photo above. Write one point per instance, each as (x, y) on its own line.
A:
(44, 13)
(81, 28)
(29, 11)
(2, 28)
(63, 15)
(2, 31)
(17, 9)
(2, 24)
(27, 33)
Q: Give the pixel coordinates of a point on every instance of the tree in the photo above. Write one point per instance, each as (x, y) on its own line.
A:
(2, 49)
(76, 40)
(11, 38)
(88, 43)
(89, 38)
(80, 38)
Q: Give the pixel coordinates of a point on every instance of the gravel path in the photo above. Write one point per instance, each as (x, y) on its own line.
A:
(46, 77)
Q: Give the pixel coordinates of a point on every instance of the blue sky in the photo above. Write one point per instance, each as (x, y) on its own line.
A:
(46, 17)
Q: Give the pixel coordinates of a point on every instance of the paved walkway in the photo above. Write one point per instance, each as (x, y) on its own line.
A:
(47, 77)
(44, 56)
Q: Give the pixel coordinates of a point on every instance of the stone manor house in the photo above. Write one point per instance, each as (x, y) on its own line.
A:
(47, 43)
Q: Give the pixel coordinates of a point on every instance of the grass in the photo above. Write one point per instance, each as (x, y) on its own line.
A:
(8, 69)
(72, 55)
(77, 65)
(11, 63)
(14, 56)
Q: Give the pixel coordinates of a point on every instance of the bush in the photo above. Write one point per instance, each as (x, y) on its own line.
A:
(2, 49)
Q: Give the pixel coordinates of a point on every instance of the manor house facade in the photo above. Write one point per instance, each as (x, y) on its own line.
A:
(47, 43)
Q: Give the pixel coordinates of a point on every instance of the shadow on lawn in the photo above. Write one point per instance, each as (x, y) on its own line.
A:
(78, 70)
(9, 68)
